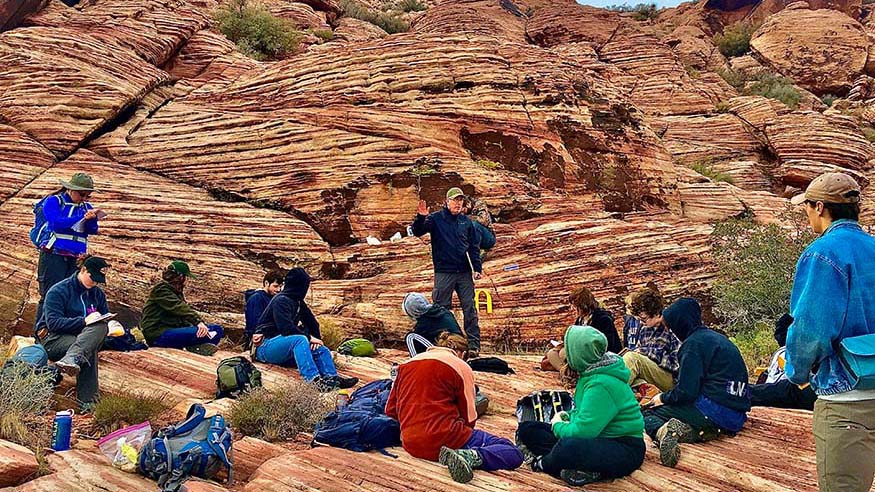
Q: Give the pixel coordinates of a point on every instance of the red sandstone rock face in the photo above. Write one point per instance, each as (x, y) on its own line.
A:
(821, 50)
(16, 464)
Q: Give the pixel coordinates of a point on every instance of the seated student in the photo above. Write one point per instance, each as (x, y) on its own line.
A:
(257, 301)
(777, 391)
(169, 321)
(68, 328)
(588, 314)
(431, 321)
(602, 438)
(652, 355)
(711, 394)
(288, 335)
(433, 399)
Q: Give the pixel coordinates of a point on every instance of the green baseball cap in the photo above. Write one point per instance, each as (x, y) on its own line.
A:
(453, 193)
(96, 267)
(181, 268)
(79, 182)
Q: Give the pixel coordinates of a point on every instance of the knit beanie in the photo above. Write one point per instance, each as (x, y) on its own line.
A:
(415, 305)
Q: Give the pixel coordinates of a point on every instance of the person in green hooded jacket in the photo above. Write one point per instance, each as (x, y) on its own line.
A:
(602, 438)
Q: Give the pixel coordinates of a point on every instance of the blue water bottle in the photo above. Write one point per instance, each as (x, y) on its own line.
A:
(62, 427)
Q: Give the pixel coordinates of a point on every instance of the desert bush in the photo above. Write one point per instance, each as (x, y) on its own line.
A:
(869, 133)
(412, 6)
(332, 334)
(775, 87)
(735, 39)
(128, 407)
(706, 168)
(279, 414)
(641, 11)
(733, 77)
(386, 21)
(323, 34)
(756, 263)
(25, 397)
(487, 164)
(756, 345)
(722, 107)
(828, 99)
(255, 31)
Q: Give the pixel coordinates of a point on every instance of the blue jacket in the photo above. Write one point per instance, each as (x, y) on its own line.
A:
(67, 303)
(288, 313)
(256, 302)
(712, 374)
(452, 236)
(831, 300)
(57, 233)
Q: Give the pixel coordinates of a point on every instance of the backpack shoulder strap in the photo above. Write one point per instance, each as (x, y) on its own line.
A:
(195, 416)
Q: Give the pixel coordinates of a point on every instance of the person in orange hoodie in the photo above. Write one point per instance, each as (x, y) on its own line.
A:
(433, 399)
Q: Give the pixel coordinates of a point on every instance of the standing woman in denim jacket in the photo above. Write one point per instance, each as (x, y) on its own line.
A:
(64, 221)
(832, 300)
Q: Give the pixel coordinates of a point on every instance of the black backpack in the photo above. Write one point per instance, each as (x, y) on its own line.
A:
(235, 376)
(490, 364)
(541, 406)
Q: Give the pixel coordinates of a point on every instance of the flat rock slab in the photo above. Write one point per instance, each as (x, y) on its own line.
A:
(17, 463)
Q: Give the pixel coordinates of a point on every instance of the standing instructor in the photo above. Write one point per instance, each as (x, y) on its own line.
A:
(455, 252)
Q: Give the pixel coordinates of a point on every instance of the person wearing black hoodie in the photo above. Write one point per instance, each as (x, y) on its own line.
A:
(431, 321)
(711, 395)
(257, 301)
(288, 335)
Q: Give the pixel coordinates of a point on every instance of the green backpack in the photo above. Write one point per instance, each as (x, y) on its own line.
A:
(357, 347)
(236, 375)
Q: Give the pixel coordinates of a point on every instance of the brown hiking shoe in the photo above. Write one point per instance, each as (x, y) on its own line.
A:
(460, 463)
(669, 436)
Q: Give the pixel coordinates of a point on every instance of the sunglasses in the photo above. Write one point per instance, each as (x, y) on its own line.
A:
(84, 194)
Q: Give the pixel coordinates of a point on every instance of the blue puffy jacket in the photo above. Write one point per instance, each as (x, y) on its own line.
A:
(452, 236)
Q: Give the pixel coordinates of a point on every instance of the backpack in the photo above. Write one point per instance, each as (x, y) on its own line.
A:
(490, 364)
(357, 347)
(541, 406)
(198, 446)
(361, 425)
(123, 343)
(235, 376)
(39, 219)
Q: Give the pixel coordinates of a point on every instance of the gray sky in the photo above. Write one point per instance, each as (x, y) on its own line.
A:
(605, 3)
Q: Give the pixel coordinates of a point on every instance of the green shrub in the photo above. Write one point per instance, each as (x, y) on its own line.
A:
(412, 6)
(323, 34)
(487, 164)
(279, 414)
(869, 133)
(705, 168)
(722, 107)
(332, 334)
(128, 407)
(255, 31)
(756, 264)
(775, 87)
(733, 77)
(384, 20)
(25, 396)
(735, 39)
(641, 11)
(756, 345)
(828, 99)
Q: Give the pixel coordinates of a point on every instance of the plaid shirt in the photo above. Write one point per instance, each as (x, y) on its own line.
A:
(659, 344)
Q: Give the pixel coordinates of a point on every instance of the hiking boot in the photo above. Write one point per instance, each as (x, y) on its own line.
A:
(473, 352)
(206, 349)
(323, 384)
(460, 463)
(344, 382)
(577, 478)
(528, 456)
(68, 366)
(537, 465)
(670, 435)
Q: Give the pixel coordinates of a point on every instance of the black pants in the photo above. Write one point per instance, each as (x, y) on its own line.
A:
(782, 394)
(688, 414)
(611, 457)
(50, 270)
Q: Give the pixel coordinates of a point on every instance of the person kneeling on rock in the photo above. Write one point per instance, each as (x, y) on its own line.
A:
(169, 321)
(602, 438)
(433, 400)
(71, 327)
(288, 335)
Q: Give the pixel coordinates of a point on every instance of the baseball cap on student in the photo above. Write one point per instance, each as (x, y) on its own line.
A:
(830, 188)
(453, 193)
(181, 268)
(96, 267)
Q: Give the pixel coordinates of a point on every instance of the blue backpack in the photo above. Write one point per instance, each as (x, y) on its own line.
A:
(361, 425)
(40, 227)
(198, 446)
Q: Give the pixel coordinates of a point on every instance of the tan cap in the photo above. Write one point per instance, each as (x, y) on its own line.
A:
(455, 192)
(830, 188)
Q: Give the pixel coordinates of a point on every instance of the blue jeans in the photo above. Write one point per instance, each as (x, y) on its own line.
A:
(294, 351)
(187, 336)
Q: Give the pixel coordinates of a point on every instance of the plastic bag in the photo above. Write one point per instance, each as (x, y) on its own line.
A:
(123, 446)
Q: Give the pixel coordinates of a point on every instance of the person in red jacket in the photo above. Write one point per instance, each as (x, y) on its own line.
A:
(433, 399)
